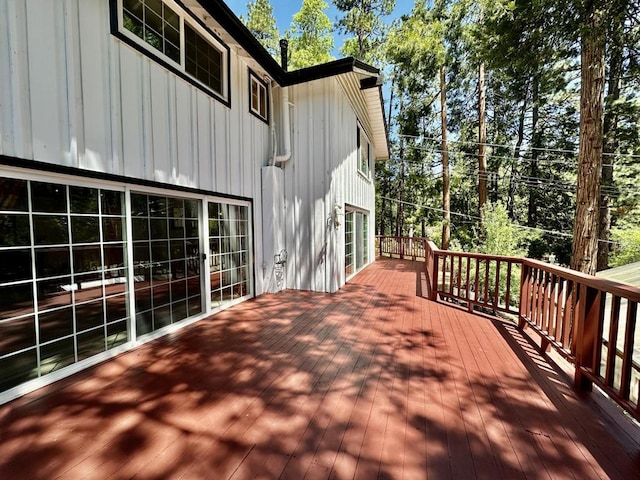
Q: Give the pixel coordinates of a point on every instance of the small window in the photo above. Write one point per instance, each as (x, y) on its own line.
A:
(180, 41)
(364, 153)
(259, 100)
(155, 23)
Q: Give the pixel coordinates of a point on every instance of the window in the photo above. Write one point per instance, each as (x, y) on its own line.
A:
(258, 93)
(63, 288)
(348, 244)
(166, 260)
(229, 260)
(356, 241)
(364, 153)
(163, 28)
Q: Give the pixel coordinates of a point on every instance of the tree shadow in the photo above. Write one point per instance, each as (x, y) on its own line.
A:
(373, 382)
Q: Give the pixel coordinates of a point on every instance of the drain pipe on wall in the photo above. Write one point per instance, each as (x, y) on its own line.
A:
(273, 201)
(286, 120)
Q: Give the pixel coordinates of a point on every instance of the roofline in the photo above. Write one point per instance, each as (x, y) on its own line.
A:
(228, 20)
(329, 69)
(234, 27)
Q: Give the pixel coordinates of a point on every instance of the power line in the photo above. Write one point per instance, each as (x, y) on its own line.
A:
(572, 163)
(475, 217)
(539, 149)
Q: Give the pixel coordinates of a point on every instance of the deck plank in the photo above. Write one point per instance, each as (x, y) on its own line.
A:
(374, 381)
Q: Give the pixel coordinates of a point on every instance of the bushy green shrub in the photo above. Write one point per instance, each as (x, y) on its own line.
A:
(627, 249)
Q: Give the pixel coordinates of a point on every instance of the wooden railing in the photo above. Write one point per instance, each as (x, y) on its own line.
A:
(589, 320)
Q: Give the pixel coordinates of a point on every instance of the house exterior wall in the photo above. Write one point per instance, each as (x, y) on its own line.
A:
(322, 174)
(74, 95)
(80, 108)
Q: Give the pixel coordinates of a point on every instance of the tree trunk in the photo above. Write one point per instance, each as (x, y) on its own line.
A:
(482, 141)
(401, 186)
(446, 198)
(532, 211)
(584, 251)
(610, 146)
(516, 160)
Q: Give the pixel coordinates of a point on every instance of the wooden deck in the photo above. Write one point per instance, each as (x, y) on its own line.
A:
(372, 382)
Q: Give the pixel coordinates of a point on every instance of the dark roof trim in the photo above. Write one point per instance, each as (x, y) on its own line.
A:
(330, 69)
(370, 82)
(234, 27)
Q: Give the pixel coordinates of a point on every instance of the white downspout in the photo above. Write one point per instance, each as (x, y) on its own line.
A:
(286, 129)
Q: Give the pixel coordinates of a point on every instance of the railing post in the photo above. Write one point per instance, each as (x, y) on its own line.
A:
(524, 294)
(587, 318)
(434, 277)
(401, 248)
(380, 245)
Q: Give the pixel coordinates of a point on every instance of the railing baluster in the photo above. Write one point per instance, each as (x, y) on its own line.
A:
(507, 294)
(459, 276)
(627, 353)
(467, 280)
(612, 349)
(559, 307)
(525, 286)
(485, 299)
(496, 291)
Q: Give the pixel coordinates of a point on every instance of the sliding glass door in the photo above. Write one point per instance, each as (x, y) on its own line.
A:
(356, 241)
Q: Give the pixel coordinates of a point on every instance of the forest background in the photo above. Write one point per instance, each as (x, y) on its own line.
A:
(513, 123)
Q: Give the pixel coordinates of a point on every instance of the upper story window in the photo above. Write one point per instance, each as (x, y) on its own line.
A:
(364, 153)
(259, 100)
(164, 29)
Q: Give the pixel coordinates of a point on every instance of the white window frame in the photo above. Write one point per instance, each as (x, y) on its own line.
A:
(363, 147)
(263, 92)
(207, 35)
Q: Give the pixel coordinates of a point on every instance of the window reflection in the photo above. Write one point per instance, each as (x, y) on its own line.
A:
(83, 200)
(17, 335)
(14, 230)
(74, 274)
(50, 230)
(48, 197)
(13, 195)
(16, 265)
(85, 229)
(54, 293)
(55, 324)
(16, 300)
(51, 262)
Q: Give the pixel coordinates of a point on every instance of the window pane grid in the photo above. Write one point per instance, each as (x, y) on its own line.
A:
(229, 256)
(166, 260)
(258, 97)
(155, 23)
(203, 60)
(41, 285)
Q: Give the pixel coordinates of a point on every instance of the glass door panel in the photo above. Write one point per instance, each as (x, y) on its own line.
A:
(166, 260)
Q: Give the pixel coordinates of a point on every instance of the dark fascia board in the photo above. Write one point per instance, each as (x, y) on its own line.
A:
(370, 82)
(330, 69)
(234, 27)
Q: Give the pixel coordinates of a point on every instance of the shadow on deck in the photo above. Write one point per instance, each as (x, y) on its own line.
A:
(372, 382)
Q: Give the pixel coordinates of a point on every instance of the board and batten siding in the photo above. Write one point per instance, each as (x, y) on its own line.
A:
(322, 173)
(72, 94)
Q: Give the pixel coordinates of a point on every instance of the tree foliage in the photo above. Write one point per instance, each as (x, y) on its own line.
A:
(363, 22)
(262, 24)
(310, 35)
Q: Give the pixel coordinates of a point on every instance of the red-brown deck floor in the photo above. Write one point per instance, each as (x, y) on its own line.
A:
(374, 381)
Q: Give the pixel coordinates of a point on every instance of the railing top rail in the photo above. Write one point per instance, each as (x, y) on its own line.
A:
(619, 289)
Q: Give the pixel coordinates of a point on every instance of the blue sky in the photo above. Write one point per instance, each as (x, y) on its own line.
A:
(284, 10)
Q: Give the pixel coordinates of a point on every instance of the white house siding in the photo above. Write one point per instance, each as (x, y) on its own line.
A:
(322, 173)
(72, 94)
